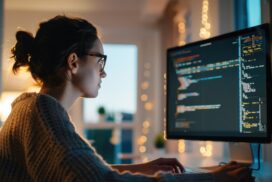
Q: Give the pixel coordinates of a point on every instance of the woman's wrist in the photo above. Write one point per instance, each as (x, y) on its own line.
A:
(134, 168)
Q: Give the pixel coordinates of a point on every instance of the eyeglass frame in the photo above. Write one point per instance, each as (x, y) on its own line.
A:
(102, 58)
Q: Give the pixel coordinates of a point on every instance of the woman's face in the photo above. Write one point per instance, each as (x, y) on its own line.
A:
(89, 76)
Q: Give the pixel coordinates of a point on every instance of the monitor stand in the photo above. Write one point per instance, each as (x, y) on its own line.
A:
(241, 153)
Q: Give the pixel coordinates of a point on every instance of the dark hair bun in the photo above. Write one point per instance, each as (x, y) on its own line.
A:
(46, 55)
(23, 49)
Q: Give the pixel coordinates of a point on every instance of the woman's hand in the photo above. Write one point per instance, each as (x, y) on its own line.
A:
(150, 168)
(165, 164)
(232, 172)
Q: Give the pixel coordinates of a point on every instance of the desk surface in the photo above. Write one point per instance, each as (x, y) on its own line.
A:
(189, 160)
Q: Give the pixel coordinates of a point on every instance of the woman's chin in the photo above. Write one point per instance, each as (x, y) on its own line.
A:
(91, 95)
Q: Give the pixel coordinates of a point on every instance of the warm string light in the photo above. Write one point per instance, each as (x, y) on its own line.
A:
(164, 109)
(205, 25)
(207, 149)
(181, 146)
(148, 106)
(144, 97)
(145, 85)
(164, 126)
(145, 128)
(164, 84)
(181, 30)
(142, 140)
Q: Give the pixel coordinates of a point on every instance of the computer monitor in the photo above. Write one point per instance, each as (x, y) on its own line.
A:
(219, 89)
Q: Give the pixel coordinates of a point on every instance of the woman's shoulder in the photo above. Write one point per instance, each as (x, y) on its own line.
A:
(24, 97)
(43, 106)
(23, 105)
(42, 102)
(50, 109)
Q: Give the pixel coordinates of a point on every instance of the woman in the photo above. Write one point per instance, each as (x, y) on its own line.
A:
(38, 141)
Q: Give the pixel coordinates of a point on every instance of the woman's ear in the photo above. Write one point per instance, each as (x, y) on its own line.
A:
(72, 63)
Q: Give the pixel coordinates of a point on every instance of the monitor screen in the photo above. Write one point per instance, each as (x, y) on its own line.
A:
(219, 89)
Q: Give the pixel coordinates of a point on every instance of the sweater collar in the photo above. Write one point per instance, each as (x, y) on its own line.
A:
(26, 95)
(23, 96)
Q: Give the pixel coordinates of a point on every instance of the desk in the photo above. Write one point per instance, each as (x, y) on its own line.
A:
(192, 160)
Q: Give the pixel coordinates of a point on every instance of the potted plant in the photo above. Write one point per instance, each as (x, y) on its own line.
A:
(159, 143)
(101, 113)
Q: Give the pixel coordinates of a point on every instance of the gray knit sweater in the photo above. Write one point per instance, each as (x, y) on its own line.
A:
(39, 143)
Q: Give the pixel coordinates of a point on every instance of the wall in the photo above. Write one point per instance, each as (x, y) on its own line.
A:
(1, 40)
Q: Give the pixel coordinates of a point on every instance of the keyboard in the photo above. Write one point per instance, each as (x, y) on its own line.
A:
(207, 169)
(196, 170)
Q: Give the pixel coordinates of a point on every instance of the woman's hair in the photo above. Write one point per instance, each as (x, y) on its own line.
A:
(46, 53)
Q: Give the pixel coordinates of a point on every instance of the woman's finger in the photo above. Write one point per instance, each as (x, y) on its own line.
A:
(178, 165)
(173, 162)
(164, 168)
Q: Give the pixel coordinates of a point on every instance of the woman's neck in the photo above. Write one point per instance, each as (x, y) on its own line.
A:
(65, 94)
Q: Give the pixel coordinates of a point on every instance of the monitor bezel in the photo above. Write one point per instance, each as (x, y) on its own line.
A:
(265, 139)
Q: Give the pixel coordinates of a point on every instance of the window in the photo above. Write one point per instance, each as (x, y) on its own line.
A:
(247, 13)
(109, 118)
(253, 12)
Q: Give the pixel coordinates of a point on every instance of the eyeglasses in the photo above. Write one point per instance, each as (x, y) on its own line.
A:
(101, 61)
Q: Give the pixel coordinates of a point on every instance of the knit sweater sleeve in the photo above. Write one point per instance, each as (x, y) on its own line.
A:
(55, 152)
(80, 169)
